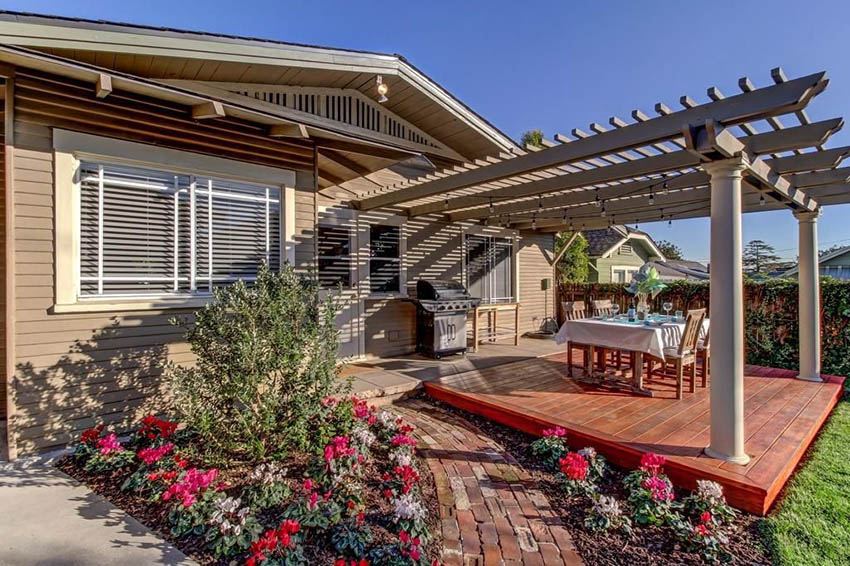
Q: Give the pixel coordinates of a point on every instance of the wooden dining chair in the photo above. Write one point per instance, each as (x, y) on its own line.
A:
(685, 354)
(704, 356)
(602, 307)
(575, 310)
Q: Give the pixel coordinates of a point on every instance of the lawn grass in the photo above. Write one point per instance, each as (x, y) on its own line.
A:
(811, 526)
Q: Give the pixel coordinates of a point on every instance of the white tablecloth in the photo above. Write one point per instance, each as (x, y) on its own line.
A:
(623, 335)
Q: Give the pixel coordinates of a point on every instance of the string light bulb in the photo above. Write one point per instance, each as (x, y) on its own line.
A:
(651, 195)
(540, 202)
(761, 200)
(492, 209)
(602, 214)
(597, 202)
(446, 204)
(534, 222)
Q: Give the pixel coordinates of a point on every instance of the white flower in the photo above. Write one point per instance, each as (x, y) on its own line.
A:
(588, 453)
(269, 473)
(229, 515)
(709, 489)
(408, 506)
(402, 458)
(387, 419)
(364, 436)
(606, 506)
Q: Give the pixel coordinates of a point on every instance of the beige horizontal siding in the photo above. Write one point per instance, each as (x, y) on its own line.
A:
(537, 306)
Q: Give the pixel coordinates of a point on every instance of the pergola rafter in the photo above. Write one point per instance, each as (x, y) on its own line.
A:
(647, 138)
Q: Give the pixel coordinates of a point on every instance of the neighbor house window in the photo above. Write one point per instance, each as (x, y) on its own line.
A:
(335, 259)
(155, 232)
(384, 259)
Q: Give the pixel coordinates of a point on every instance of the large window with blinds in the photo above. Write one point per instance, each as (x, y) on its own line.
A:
(153, 232)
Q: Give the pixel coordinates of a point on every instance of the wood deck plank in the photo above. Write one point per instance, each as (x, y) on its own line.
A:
(782, 416)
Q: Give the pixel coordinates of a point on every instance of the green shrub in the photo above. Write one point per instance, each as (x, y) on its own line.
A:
(266, 357)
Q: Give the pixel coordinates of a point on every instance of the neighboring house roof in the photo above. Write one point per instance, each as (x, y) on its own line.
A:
(171, 54)
(681, 269)
(604, 242)
(826, 257)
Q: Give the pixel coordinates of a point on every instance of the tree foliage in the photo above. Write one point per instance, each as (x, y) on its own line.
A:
(670, 250)
(574, 265)
(757, 254)
(532, 137)
(266, 357)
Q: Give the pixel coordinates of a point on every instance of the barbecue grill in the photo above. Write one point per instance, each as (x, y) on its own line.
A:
(441, 310)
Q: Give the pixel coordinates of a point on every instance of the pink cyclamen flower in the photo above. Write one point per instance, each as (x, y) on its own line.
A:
(190, 485)
(660, 489)
(652, 463)
(152, 455)
(705, 517)
(109, 444)
(403, 440)
(308, 484)
(702, 530)
(557, 431)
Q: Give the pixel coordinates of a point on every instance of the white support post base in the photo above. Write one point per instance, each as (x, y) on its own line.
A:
(809, 289)
(727, 312)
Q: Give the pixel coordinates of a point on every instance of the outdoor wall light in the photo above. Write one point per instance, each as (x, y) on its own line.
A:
(383, 89)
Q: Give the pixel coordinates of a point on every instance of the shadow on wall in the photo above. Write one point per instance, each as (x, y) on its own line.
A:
(112, 378)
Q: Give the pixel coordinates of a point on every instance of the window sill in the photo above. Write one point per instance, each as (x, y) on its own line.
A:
(117, 305)
(385, 296)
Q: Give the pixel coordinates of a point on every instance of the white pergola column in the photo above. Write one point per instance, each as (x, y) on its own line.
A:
(809, 289)
(727, 312)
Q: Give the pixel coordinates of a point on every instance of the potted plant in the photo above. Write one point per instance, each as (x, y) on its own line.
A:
(645, 284)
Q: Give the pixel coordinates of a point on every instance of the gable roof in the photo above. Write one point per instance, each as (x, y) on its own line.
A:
(681, 269)
(603, 242)
(166, 53)
(826, 257)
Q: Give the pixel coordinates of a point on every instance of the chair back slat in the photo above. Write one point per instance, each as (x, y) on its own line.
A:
(602, 307)
(574, 310)
(690, 335)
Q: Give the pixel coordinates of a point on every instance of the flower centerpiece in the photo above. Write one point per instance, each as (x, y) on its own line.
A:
(645, 284)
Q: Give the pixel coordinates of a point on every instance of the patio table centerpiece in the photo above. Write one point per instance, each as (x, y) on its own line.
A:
(645, 284)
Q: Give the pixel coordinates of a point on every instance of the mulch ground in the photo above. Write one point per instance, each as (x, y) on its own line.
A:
(650, 546)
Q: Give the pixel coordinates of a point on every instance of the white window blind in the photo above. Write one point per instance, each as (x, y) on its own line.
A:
(149, 232)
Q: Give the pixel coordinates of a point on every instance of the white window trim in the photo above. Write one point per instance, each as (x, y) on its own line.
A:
(628, 269)
(479, 230)
(71, 147)
(402, 251)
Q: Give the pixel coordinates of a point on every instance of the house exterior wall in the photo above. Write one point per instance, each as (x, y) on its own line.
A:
(633, 259)
(73, 370)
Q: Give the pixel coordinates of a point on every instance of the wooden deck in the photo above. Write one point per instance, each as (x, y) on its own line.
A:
(782, 418)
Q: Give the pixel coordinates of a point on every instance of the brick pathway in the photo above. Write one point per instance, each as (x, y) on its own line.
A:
(492, 512)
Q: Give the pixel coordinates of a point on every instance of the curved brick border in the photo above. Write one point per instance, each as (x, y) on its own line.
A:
(491, 511)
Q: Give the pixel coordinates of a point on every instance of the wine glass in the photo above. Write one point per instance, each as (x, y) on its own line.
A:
(667, 306)
(615, 308)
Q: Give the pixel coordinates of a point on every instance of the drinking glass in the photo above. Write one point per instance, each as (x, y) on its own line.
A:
(615, 308)
(678, 316)
(667, 306)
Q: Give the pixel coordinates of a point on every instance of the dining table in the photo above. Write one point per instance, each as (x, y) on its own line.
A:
(640, 337)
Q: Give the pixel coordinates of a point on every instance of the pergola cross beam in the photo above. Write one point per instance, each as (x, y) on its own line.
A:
(774, 100)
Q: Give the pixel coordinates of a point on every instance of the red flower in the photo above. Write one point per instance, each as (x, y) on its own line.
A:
(574, 466)
(339, 562)
(350, 504)
(91, 435)
(705, 517)
(702, 530)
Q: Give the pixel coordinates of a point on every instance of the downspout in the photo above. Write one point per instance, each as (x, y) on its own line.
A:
(8, 153)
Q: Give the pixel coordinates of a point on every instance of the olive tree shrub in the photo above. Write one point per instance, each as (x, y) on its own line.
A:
(266, 357)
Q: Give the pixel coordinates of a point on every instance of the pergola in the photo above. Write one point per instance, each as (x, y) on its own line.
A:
(721, 158)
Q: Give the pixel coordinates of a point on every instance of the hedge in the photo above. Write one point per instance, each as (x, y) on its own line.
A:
(770, 316)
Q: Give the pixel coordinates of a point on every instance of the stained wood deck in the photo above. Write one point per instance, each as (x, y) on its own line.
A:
(782, 418)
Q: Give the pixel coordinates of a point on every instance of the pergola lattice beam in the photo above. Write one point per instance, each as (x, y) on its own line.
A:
(774, 100)
(768, 142)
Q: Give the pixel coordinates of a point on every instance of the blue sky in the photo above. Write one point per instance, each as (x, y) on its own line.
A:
(560, 65)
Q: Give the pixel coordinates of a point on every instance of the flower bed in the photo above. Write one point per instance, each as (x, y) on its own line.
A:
(361, 500)
(619, 517)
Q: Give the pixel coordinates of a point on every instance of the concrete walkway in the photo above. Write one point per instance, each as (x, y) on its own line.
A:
(49, 519)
